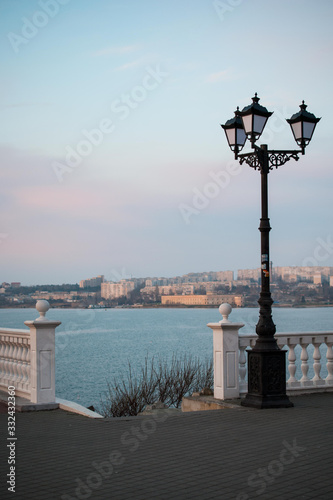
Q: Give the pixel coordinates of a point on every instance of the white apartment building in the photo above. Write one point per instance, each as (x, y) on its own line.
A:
(289, 274)
(92, 282)
(317, 279)
(224, 276)
(303, 273)
(111, 290)
(248, 274)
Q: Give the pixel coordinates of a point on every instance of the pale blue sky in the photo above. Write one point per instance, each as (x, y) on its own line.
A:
(158, 78)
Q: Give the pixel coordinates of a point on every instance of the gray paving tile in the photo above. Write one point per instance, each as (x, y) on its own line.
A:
(191, 456)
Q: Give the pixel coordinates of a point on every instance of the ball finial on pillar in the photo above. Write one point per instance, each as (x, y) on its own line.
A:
(42, 307)
(225, 310)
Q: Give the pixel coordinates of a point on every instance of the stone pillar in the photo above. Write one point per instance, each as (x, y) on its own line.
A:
(42, 356)
(226, 364)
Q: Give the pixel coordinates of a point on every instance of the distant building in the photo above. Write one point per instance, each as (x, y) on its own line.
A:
(224, 276)
(15, 284)
(292, 274)
(209, 276)
(289, 274)
(181, 289)
(111, 290)
(202, 300)
(317, 279)
(92, 282)
(249, 274)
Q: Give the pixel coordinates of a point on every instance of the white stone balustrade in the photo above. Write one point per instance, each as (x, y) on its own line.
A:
(230, 358)
(27, 358)
(15, 360)
(290, 340)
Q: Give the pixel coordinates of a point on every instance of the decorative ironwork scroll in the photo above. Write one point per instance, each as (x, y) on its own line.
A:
(275, 158)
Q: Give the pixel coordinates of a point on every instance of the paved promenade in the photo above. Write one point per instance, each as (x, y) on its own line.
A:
(238, 454)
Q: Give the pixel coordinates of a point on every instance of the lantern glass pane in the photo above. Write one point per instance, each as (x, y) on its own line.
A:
(247, 122)
(231, 136)
(308, 130)
(297, 130)
(241, 137)
(259, 123)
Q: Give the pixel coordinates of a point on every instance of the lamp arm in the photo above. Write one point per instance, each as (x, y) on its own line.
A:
(276, 158)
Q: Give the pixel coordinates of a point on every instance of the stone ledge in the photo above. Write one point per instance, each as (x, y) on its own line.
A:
(23, 404)
(202, 403)
(303, 391)
(76, 408)
(160, 408)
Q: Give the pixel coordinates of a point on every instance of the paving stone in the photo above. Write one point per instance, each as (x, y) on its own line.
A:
(190, 456)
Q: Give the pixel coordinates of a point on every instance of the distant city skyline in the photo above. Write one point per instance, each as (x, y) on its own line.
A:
(112, 155)
(289, 273)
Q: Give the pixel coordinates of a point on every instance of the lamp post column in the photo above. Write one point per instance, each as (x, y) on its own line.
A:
(265, 327)
(266, 361)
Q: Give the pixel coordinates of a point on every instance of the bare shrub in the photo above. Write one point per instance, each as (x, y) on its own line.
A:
(205, 376)
(168, 381)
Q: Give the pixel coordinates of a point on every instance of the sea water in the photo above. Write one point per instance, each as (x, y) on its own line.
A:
(94, 346)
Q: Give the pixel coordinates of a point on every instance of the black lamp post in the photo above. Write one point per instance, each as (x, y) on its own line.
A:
(266, 361)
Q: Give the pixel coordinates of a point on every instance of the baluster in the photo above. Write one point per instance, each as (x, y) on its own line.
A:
(305, 381)
(24, 366)
(28, 367)
(24, 380)
(14, 362)
(5, 363)
(2, 358)
(317, 380)
(292, 381)
(329, 364)
(19, 357)
(242, 370)
(10, 362)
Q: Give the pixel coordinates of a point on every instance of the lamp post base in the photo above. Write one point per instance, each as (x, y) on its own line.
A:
(266, 380)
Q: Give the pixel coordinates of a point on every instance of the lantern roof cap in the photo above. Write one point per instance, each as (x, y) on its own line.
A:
(256, 108)
(236, 120)
(309, 117)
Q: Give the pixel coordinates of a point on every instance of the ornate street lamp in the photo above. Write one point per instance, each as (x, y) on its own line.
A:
(266, 361)
(303, 124)
(254, 119)
(235, 133)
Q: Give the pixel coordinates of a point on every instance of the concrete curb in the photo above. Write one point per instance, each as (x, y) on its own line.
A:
(76, 408)
(24, 405)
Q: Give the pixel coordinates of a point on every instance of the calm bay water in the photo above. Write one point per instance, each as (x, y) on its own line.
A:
(95, 345)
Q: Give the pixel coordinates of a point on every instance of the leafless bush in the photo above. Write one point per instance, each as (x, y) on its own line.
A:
(205, 376)
(168, 381)
(183, 374)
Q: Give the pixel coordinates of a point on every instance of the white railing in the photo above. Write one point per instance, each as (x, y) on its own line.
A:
(27, 358)
(299, 359)
(309, 359)
(15, 360)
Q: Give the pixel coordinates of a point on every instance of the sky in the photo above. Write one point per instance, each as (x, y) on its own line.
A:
(113, 160)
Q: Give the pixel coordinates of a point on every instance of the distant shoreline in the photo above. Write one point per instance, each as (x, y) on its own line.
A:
(173, 306)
